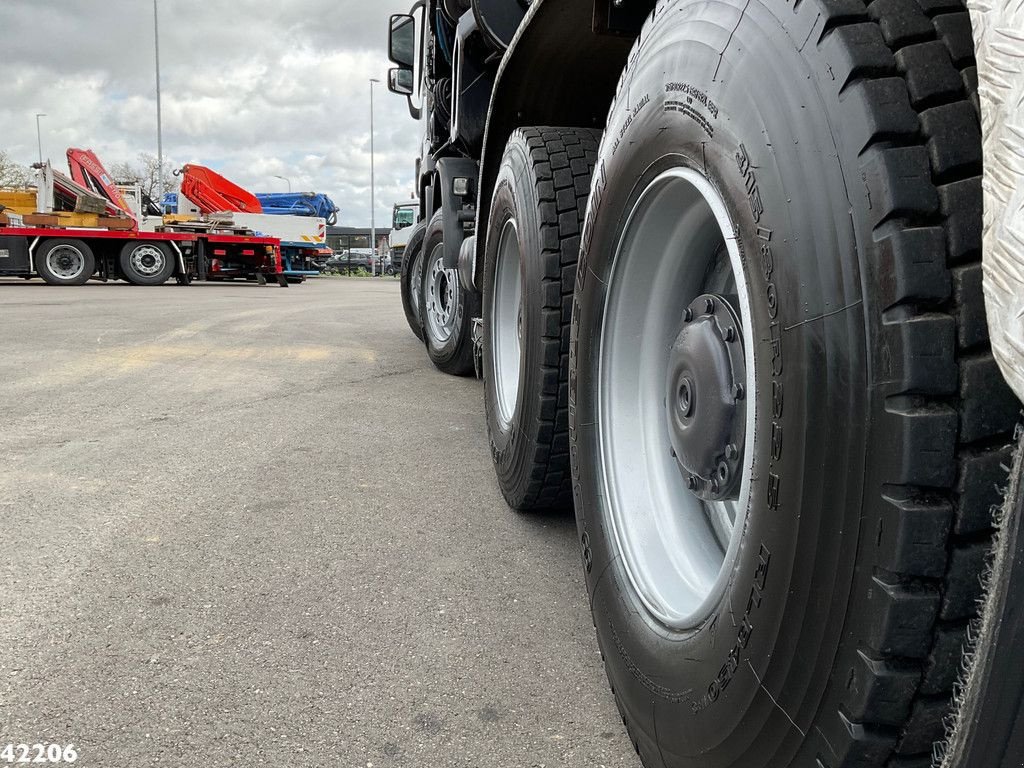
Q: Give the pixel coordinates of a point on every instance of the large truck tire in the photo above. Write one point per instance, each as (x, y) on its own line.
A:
(787, 429)
(65, 261)
(446, 309)
(411, 280)
(145, 262)
(529, 271)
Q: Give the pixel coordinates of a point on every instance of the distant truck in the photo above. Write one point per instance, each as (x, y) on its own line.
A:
(72, 230)
(741, 299)
(404, 217)
(292, 219)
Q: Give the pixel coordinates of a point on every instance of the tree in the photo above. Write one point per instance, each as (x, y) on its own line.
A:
(13, 174)
(145, 172)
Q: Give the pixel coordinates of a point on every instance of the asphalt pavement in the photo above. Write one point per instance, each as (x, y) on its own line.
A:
(253, 526)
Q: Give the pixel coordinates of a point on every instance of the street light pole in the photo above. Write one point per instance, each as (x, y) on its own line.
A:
(39, 136)
(373, 196)
(159, 111)
(286, 180)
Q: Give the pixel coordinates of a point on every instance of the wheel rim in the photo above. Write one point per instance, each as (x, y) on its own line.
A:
(506, 324)
(442, 296)
(147, 260)
(671, 398)
(66, 262)
(416, 284)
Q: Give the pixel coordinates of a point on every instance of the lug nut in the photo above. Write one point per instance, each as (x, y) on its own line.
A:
(731, 452)
(730, 335)
(737, 391)
(723, 472)
(709, 306)
(687, 315)
(691, 483)
(715, 487)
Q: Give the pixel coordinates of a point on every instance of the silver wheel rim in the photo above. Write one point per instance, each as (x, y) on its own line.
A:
(678, 550)
(147, 260)
(66, 262)
(416, 284)
(506, 322)
(441, 296)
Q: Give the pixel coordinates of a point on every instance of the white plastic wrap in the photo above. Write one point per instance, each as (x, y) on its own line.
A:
(999, 41)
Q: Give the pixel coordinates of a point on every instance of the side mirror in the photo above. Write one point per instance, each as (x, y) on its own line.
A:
(400, 81)
(402, 40)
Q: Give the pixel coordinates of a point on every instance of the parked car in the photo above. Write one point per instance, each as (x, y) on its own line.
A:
(348, 261)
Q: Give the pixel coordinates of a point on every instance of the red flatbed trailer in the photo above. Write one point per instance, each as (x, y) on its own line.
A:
(74, 255)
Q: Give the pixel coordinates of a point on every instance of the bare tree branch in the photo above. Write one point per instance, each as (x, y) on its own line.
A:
(145, 172)
(12, 174)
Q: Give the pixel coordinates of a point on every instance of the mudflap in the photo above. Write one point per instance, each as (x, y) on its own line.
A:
(478, 347)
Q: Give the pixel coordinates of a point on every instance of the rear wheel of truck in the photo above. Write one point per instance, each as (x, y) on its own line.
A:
(529, 272)
(65, 261)
(411, 280)
(786, 424)
(446, 308)
(146, 262)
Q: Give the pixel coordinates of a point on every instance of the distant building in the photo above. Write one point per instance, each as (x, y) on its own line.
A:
(343, 238)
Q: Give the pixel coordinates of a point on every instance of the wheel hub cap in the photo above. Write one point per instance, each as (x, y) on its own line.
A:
(706, 372)
(673, 419)
(147, 260)
(66, 262)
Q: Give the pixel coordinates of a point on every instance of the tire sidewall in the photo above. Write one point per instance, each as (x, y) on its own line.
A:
(410, 261)
(680, 106)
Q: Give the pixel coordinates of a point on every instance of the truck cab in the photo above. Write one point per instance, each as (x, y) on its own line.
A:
(403, 219)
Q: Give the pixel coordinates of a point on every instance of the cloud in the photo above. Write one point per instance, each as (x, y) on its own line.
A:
(252, 88)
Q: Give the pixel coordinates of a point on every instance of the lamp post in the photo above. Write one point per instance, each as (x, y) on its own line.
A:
(159, 115)
(286, 181)
(373, 201)
(39, 136)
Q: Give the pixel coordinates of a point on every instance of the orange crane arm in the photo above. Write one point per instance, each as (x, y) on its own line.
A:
(212, 193)
(87, 171)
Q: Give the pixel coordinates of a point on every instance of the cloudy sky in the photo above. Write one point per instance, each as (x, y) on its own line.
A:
(251, 88)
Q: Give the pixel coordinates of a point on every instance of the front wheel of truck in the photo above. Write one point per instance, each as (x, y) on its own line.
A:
(411, 281)
(786, 425)
(446, 308)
